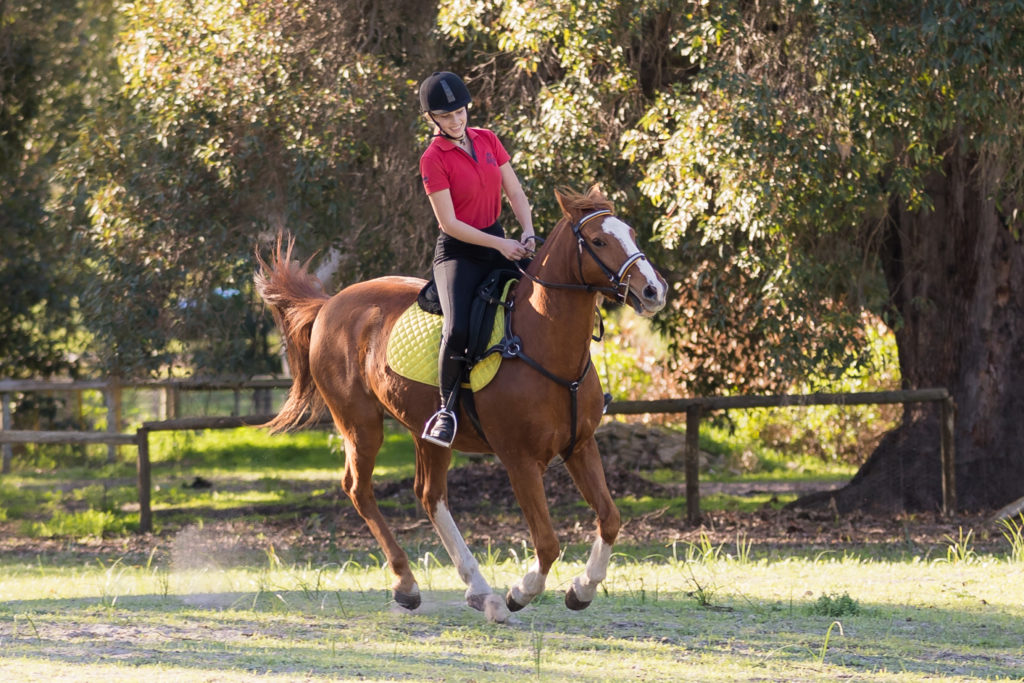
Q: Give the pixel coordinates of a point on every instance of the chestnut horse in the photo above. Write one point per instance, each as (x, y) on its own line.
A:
(544, 389)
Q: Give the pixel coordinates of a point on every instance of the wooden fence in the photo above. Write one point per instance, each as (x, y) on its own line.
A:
(694, 408)
(112, 390)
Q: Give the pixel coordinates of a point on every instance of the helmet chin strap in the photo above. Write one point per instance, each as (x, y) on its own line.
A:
(444, 134)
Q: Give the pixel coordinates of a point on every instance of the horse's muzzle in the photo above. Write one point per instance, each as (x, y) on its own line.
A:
(649, 299)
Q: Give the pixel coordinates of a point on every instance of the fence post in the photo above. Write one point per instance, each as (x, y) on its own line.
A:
(173, 402)
(5, 468)
(262, 401)
(692, 464)
(948, 420)
(144, 481)
(113, 397)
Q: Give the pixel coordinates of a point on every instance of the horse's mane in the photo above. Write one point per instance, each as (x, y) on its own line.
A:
(575, 204)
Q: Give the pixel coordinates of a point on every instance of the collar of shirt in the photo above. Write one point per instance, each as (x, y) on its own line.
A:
(447, 144)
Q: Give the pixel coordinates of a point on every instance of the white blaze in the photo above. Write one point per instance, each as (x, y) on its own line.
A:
(620, 231)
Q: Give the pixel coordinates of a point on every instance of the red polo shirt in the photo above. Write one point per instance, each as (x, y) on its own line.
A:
(475, 184)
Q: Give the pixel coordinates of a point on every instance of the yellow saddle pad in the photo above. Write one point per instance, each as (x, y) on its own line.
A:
(416, 342)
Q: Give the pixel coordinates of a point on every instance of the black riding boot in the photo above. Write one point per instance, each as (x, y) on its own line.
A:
(442, 425)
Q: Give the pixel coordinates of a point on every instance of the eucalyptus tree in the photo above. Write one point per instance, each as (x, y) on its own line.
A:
(882, 134)
(52, 59)
(230, 122)
(811, 161)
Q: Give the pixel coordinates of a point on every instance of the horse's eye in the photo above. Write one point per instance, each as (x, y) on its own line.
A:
(598, 242)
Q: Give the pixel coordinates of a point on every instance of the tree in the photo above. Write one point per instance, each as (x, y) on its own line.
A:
(50, 68)
(230, 122)
(596, 92)
(890, 134)
(810, 162)
(866, 138)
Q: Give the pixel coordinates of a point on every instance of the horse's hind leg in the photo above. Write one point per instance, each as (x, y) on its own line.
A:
(588, 474)
(432, 489)
(362, 442)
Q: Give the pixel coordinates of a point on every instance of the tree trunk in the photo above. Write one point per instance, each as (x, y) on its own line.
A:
(956, 287)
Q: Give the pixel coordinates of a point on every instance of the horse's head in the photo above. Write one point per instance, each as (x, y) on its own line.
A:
(609, 260)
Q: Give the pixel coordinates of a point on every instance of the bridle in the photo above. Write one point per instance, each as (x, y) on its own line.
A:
(511, 346)
(619, 280)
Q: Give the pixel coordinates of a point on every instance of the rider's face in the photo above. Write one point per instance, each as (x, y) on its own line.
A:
(452, 122)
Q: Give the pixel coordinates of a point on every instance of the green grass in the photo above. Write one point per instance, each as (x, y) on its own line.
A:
(198, 604)
(700, 615)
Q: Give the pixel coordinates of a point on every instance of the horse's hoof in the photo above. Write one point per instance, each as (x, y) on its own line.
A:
(573, 602)
(409, 601)
(490, 605)
(511, 603)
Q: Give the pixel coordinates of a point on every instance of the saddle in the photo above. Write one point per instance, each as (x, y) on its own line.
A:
(416, 337)
(489, 296)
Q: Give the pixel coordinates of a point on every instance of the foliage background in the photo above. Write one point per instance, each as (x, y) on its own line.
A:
(151, 146)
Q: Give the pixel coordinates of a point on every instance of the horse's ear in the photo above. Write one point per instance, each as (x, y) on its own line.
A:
(563, 195)
(595, 192)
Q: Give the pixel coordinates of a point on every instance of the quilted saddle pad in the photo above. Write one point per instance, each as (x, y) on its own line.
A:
(415, 343)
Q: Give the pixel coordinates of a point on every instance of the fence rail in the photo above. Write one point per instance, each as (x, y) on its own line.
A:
(694, 408)
(112, 390)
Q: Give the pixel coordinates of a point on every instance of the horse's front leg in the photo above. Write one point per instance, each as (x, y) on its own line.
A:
(588, 474)
(527, 481)
(431, 488)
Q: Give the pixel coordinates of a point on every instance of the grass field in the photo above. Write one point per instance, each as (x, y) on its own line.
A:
(698, 613)
(244, 581)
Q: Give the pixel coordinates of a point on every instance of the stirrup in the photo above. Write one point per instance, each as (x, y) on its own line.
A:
(439, 439)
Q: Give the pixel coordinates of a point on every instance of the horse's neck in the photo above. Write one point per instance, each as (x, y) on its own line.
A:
(555, 325)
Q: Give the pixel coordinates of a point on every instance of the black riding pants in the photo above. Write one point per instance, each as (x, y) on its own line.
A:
(459, 269)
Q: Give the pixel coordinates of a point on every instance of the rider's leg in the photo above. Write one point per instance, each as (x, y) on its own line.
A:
(457, 280)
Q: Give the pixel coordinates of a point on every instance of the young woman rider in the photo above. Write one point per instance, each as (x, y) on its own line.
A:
(464, 172)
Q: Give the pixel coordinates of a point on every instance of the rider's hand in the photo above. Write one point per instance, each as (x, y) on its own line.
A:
(513, 250)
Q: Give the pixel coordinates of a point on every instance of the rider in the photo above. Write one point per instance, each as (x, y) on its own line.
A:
(464, 171)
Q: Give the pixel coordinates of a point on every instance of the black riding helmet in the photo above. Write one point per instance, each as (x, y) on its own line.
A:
(443, 91)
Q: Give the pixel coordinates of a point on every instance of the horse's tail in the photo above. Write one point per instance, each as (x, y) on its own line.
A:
(295, 297)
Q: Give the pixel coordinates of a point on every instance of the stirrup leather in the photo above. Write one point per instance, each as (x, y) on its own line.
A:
(427, 436)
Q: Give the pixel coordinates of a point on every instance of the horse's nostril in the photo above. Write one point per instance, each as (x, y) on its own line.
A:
(650, 292)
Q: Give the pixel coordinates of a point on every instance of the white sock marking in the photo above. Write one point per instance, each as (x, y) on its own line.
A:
(465, 563)
(530, 586)
(595, 571)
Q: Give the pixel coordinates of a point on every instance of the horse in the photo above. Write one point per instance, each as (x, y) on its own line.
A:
(544, 401)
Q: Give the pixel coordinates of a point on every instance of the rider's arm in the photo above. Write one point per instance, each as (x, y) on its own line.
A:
(444, 210)
(517, 199)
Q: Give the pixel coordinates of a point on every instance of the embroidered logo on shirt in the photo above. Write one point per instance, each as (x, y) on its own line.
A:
(491, 160)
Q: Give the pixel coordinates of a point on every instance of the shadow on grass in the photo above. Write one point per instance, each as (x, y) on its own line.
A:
(360, 633)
